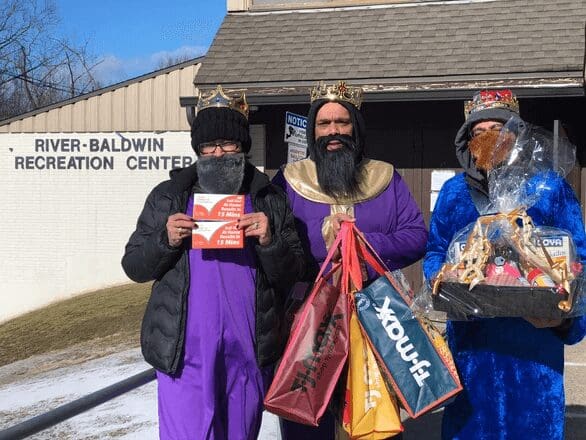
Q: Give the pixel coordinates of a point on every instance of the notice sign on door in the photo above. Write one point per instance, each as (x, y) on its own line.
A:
(295, 136)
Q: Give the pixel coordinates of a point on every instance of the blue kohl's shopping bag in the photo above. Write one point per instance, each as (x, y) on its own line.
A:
(411, 352)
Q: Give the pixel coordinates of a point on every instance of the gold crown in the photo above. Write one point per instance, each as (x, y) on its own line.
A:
(487, 99)
(217, 98)
(338, 92)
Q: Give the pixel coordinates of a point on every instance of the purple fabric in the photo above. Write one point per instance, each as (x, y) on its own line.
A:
(219, 389)
(391, 222)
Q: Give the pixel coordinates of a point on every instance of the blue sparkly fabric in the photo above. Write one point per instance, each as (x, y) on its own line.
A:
(512, 372)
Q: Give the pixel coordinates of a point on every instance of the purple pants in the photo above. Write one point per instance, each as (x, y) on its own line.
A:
(218, 391)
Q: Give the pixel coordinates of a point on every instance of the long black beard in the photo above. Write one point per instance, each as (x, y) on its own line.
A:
(221, 174)
(338, 171)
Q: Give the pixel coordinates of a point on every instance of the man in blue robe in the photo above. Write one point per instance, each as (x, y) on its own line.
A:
(511, 368)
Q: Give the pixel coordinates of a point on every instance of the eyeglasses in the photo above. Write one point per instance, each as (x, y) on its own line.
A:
(497, 126)
(225, 146)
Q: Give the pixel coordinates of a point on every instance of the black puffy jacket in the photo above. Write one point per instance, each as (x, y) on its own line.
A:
(148, 257)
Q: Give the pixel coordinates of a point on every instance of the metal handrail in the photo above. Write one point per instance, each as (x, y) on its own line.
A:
(71, 409)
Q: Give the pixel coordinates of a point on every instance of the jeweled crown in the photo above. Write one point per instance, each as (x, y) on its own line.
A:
(338, 92)
(217, 98)
(486, 99)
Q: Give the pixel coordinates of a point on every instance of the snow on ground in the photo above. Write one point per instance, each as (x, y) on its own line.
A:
(40, 383)
(27, 389)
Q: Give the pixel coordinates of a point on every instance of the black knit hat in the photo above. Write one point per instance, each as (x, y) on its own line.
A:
(214, 123)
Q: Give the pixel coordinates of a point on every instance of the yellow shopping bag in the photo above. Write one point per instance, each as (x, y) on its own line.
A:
(370, 412)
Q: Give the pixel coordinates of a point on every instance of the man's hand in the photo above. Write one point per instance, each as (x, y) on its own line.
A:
(337, 220)
(256, 224)
(179, 227)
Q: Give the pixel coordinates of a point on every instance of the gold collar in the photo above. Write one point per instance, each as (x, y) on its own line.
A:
(302, 176)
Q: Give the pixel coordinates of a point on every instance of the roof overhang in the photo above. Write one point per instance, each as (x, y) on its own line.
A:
(568, 84)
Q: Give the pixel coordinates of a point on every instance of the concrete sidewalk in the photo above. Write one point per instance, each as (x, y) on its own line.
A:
(34, 386)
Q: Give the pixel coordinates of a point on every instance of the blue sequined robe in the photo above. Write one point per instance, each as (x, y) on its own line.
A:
(512, 372)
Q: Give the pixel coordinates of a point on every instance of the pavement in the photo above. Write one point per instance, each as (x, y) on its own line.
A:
(40, 383)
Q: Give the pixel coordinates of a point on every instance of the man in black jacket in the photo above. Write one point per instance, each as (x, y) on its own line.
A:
(214, 324)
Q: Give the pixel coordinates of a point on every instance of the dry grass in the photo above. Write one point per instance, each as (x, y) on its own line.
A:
(109, 316)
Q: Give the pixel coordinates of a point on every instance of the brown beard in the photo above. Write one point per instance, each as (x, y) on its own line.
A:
(487, 152)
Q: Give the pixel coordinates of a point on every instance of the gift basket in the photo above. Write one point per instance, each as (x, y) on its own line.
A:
(504, 265)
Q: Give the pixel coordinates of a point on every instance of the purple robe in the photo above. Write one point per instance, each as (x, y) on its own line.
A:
(391, 222)
(218, 390)
(394, 226)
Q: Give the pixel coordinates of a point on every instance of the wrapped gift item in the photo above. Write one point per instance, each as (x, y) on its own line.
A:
(505, 266)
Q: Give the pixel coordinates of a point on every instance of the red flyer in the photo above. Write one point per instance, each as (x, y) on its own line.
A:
(217, 235)
(218, 207)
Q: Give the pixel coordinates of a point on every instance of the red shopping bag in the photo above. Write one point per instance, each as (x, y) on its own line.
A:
(315, 354)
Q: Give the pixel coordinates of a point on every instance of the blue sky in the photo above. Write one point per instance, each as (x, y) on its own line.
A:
(132, 36)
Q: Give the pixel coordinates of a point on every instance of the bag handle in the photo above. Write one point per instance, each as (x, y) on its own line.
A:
(329, 257)
(368, 253)
(351, 271)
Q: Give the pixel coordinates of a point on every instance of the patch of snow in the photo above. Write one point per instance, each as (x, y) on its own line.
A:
(131, 416)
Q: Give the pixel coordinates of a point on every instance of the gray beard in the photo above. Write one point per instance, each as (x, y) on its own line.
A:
(221, 175)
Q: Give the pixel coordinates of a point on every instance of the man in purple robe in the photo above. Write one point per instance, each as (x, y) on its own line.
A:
(337, 183)
(214, 324)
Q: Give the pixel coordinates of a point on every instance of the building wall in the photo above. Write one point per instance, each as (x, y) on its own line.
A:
(74, 179)
(63, 230)
(147, 105)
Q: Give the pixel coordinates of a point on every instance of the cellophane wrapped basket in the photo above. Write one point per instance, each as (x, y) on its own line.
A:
(503, 265)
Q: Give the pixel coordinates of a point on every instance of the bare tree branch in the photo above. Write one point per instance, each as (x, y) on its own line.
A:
(38, 68)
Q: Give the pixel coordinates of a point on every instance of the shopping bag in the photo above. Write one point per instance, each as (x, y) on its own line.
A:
(315, 354)
(370, 412)
(410, 350)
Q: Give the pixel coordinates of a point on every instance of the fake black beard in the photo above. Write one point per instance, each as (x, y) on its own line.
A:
(338, 171)
(221, 175)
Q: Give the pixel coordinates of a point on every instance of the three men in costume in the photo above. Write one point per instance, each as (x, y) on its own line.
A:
(511, 368)
(214, 324)
(338, 183)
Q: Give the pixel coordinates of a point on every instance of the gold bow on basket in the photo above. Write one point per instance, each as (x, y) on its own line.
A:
(525, 240)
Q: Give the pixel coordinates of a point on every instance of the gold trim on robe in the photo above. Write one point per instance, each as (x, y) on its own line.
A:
(302, 176)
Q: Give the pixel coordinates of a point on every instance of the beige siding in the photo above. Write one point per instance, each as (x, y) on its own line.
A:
(147, 105)
(159, 104)
(53, 118)
(131, 108)
(40, 121)
(174, 113)
(186, 81)
(27, 124)
(105, 119)
(78, 116)
(91, 113)
(65, 121)
(119, 122)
